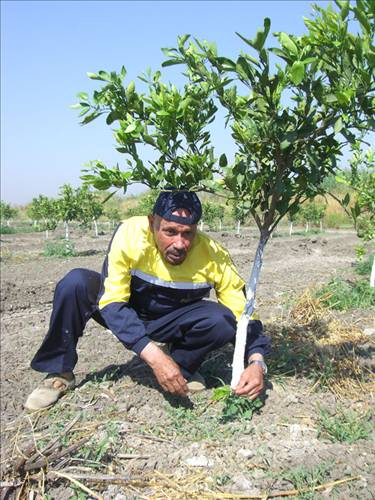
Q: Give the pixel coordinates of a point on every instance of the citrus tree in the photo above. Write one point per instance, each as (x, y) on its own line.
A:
(360, 177)
(44, 210)
(212, 212)
(68, 206)
(291, 111)
(90, 208)
(312, 213)
(7, 212)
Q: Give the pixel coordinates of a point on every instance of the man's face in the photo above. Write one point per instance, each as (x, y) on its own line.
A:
(172, 238)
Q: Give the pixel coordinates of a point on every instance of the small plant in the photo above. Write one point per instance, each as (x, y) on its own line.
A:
(59, 249)
(303, 478)
(363, 266)
(222, 479)
(343, 295)
(7, 230)
(346, 426)
(236, 407)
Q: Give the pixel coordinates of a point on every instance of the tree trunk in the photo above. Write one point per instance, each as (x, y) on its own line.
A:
(372, 277)
(95, 228)
(66, 224)
(238, 364)
(306, 227)
(201, 225)
(220, 225)
(46, 234)
(321, 226)
(238, 227)
(290, 228)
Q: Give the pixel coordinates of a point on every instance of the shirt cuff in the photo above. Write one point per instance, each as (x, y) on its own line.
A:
(140, 345)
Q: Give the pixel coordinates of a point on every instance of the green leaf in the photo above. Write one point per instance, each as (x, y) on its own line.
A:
(297, 72)
(223, 162)
(130, 128)
(82, 96)
(288, 43)
(339, 124)
(345, 201)
(172, 62)
(130, 90)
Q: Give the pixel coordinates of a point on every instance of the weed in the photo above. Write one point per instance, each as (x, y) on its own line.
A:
(346, 426)
(236, 407)
(363, 266)
(64, 248)
(187, 422)
(343, 295)
(303, 478)
(7, 230)
(221, 479)
(78, 494)
(102, 444)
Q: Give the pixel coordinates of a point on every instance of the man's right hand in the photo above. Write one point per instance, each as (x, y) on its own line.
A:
(167, 371)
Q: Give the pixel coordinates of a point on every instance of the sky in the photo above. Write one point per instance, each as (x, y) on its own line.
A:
(47, 47)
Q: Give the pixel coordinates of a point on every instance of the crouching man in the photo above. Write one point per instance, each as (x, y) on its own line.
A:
(157, 271)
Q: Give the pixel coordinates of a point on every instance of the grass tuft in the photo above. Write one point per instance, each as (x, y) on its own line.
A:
(345, 426)
(342, 295)
(303, 478)
(64, 248)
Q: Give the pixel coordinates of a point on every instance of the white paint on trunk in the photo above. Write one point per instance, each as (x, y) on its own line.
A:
(95, 228)
(66, 224)
(372, 278)
(238, 365)
(241, 334)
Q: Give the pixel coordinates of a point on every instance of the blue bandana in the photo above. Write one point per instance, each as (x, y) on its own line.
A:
(170, 201)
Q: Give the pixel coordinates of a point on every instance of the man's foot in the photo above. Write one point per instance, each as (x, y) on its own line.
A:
(49, 391)
(196, 383)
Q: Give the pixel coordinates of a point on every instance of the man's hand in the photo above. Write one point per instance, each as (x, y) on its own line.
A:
(251, 382)
(166, 371)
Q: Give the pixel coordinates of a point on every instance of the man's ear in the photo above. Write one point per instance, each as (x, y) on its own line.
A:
(151, 222)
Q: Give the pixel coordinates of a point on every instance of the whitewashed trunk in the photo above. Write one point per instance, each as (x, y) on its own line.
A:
(95, 228)
(66, 225)
(238, 227)
(290, 228)
(201, 225)
(306, 227)
(321, 226)
(220, 225)
(372, 277)
(238, 364)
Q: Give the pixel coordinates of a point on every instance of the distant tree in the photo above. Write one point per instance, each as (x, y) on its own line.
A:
(68, 206)
(239, 213)
(144, 206)
(45, 210)
(113, 215)
(311, 213)
(7, 212)
(90, 208)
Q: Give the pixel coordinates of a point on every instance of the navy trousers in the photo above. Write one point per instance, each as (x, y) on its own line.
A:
(192, 331)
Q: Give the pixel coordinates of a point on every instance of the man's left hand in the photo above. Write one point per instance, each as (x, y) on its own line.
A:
(251, 382)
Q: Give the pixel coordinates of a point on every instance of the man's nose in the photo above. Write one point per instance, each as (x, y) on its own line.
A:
(179, 243)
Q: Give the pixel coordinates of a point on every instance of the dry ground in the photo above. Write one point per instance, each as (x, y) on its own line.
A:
(118, 424)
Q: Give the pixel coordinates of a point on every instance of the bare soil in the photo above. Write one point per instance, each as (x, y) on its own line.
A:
(168, 447)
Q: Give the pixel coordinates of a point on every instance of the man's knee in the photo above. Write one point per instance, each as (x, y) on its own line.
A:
(221, 322)
(79, 281)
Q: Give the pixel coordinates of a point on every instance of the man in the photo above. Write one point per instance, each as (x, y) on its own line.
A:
(155, 276)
